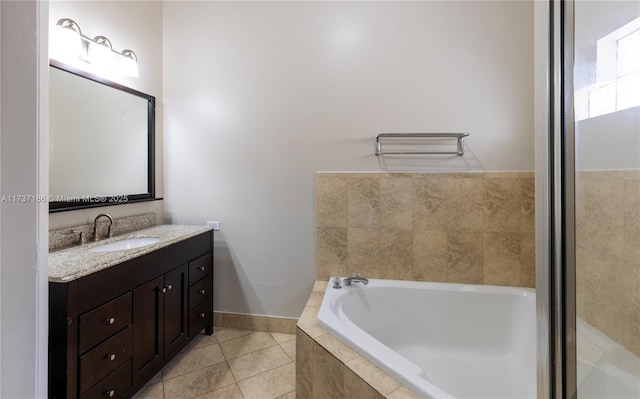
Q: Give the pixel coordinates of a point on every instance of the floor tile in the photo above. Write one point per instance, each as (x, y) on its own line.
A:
(246, 344)
(280, 337)
(270, 384)
(228, 392)
(186, 362)
(201, 340)
(224, 334)
(290, 395)
(290, 348)
(257, 362)
(151, 391)
(155, 379)
(200, 382)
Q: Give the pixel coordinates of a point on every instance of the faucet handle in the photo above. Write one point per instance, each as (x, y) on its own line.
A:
(81, 239)
(336, 283)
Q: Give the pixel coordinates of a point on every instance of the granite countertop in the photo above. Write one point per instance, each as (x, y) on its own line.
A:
(72, 263)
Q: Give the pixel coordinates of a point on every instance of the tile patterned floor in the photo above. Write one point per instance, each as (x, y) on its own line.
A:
(231, 364)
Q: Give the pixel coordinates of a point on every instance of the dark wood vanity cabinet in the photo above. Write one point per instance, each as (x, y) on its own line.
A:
(111, 331)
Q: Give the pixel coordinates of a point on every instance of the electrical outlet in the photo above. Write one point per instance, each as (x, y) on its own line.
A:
(215, 225)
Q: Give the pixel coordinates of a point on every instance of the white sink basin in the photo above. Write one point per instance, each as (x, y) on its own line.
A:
(125, 244)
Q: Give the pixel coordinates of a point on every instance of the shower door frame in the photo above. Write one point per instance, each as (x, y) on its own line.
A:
(555, 226)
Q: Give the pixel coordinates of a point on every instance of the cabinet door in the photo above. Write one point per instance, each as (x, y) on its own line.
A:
(175, 309)
(148, 327)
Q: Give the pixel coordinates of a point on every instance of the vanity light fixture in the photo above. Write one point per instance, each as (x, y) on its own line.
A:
(71, 46)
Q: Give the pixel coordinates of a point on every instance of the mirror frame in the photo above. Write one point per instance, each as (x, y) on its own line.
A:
(60, 206)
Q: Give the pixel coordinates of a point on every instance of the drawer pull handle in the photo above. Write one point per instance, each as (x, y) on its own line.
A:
(202, 292)
(169, 287)
(111, 357)
(110, 320)
(163, 290)
(202, 315)
(203, 268)
(111, 393)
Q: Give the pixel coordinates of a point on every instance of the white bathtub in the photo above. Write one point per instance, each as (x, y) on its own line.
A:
(440, 340)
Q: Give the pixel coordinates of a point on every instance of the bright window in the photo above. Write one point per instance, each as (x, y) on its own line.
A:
(617, 84)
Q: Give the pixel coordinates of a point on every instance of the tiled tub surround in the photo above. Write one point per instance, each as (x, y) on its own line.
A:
(608, 254)
(475, 228)
(63, 238)
(326, 368)
(75, 262)
(464, 341)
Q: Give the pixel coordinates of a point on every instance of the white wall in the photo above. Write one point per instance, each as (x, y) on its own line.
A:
(260, 95)
(135, 25)
(23, 225)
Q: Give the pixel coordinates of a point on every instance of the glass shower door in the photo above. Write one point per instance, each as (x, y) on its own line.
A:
(606, 80)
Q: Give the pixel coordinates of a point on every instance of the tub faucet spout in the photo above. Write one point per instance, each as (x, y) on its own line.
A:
(355, 279)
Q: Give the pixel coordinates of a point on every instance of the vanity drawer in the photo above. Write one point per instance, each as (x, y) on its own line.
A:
(104, 321)
(200, 291)
(200, 267)
(115, 385)
(200, 317)
(105, 358)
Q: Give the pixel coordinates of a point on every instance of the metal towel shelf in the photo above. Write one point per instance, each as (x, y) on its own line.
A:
(458, 136)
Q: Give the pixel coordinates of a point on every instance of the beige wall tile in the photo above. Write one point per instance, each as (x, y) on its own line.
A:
(430, 209)
(465, 203)
(372, 375)
(246, 322)
(304, 364)
(363, 202)
(395, 255)
(501, 257)
(328, 375)
(402, 393)
(430, 260)
(464, 257)
(282, 325)
(502, 205)
(331, 252)
(364, 251)
(396, 203)
(356, 388)
(331, 201)
(338, 349)
(527, 205)
(308, 322)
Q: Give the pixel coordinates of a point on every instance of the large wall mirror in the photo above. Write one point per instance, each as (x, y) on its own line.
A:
(101, 141)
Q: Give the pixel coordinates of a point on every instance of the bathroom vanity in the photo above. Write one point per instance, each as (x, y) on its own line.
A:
(116, 318)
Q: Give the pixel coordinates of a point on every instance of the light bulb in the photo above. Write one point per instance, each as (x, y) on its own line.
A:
(100, 53)
(128, 64)
(67, 44)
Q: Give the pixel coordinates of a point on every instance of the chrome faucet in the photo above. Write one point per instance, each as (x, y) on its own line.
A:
(95, 226)
(355, 279)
